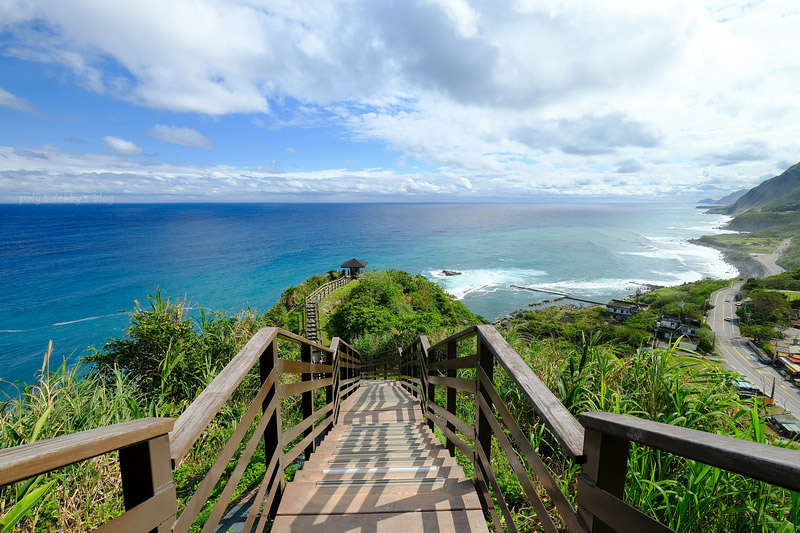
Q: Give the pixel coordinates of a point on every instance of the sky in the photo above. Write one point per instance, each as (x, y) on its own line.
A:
(395, 100)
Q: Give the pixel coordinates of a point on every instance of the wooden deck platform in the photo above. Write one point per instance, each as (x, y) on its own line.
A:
(380, 469)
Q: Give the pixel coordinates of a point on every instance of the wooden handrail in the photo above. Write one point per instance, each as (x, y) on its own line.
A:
(764, 462)
(193, 421)
(599, 441)
(336, 377)
(150, 448)
(27, 460)
(565, 428)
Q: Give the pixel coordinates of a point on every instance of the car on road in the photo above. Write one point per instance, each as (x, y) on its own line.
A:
(785, 426)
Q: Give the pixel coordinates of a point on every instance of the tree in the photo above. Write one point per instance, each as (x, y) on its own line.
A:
(765, 308)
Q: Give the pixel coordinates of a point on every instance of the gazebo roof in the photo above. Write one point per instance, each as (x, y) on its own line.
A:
(354, 263)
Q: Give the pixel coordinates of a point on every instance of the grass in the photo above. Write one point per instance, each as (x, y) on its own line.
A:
(329, 303)
(791, 295)
(747, 243)
(657, 385)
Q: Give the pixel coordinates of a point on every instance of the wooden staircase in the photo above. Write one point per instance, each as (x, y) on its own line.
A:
(382, 469)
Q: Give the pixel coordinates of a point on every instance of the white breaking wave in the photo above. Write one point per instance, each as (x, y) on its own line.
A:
(701, 261)
(84, 319)
(483, 279)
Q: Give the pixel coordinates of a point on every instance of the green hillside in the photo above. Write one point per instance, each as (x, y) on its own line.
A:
(782, 189)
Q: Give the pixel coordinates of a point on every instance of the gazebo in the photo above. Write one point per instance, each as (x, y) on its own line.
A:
(354, 266)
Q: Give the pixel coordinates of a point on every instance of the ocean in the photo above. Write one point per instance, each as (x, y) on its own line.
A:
(71, 273)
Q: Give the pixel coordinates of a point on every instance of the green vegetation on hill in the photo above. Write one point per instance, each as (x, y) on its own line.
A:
(572, 325)
(589, 361)
(662, 386)
(695, 295)
(768, 305)
(782, 189)
(389, 308)
(288, 310)
(770, 213)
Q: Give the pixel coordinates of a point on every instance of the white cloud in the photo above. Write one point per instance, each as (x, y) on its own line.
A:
(529, 96)
(14, 102)
(26, 172)
(121, 146)
(182, 136)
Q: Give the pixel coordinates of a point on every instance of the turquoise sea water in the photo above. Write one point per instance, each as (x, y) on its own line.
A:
(70, 272)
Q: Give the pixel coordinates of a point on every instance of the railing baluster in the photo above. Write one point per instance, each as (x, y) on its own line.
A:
(452, 353)
(272, 433)
(483, 431)
(308, 397)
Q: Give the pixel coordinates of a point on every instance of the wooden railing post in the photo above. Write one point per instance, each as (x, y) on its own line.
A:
(605, 467)
(268, 362)
(400, 366)
(483, 434)
(146, 470)
(452, 353)
(308, 397)
(428, 387)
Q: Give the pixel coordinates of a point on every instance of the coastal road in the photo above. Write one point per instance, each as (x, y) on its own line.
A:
(740, 357)
(769, 261)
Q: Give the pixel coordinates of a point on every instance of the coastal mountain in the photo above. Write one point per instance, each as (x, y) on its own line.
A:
(731, 198)
(780, 190)
(725, 200)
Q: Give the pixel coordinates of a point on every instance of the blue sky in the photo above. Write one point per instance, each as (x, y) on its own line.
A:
(416, 100)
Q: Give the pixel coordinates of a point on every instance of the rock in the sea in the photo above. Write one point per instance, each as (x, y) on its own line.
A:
(451, 272)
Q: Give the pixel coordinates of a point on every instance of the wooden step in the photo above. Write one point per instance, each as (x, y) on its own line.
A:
(381, 468)
(449, 522)
(306, 497)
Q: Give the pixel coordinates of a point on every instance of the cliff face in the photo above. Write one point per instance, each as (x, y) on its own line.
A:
(782, 189)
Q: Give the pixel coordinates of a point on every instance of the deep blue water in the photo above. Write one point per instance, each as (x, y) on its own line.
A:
(70, 272)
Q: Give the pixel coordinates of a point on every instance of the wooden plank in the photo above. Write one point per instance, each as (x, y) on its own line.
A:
(210, 480)
(157, 512)
(290, 456)
(484, 495)
(451, 395)
(297, 339)
(274, 488)
(463, 427)
(455, 439)
(27, 460)
(462, 384)
(543, 474)
(244, 459)
(486, 470)
(294, 431)
(299, 367)
(191, 424)
(615, 512)
(293, 389)
(563, 425)
(461, 335)
(266, 483)
(516, 465)
(458, 362)
(771, 464)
